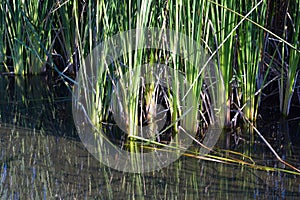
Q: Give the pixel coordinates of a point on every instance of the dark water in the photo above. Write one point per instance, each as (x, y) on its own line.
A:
(41, 157)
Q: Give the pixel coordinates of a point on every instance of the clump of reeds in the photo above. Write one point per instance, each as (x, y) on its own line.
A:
(233, 34)
(290, 57)
(26, 35)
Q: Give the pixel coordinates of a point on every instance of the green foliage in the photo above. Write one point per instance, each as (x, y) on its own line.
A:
(249, 57)
(223, 25)
(27, 34)
(232, 32)
(293, 59)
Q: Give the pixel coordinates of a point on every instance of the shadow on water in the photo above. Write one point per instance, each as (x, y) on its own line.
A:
(35, 103)
(41, 157)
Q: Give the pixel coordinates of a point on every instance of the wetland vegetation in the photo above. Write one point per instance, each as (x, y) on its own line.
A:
(250, 58)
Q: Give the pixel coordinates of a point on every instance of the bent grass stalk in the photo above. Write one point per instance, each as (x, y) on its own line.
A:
(282, 40)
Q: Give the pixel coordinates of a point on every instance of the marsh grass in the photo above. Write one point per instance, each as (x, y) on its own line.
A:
(222, 24)
(34, 31)
(37, 29)
(27, 35)
(231, 32)
(15, 35)
(292, 68)
(249, 59)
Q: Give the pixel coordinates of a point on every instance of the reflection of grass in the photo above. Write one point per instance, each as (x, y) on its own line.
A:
(30, 102)
(47, 168)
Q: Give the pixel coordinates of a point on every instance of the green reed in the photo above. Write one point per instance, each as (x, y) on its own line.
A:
(64, 40)
(32, 31)
(234, 38)
(292, 68)
(99, 77)
(27, 34)
(106, 80)
(223, 22)
(249, 57)
(37, 28)
(15, 34)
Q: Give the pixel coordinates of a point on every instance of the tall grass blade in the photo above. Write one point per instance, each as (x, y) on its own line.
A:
(250, 51)
(223, 22)
(293, 57)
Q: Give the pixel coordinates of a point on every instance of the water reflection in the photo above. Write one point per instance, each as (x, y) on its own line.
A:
(45, 160)
(35, 103)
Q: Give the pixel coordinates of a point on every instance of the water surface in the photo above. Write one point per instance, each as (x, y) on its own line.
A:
(41, 157)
